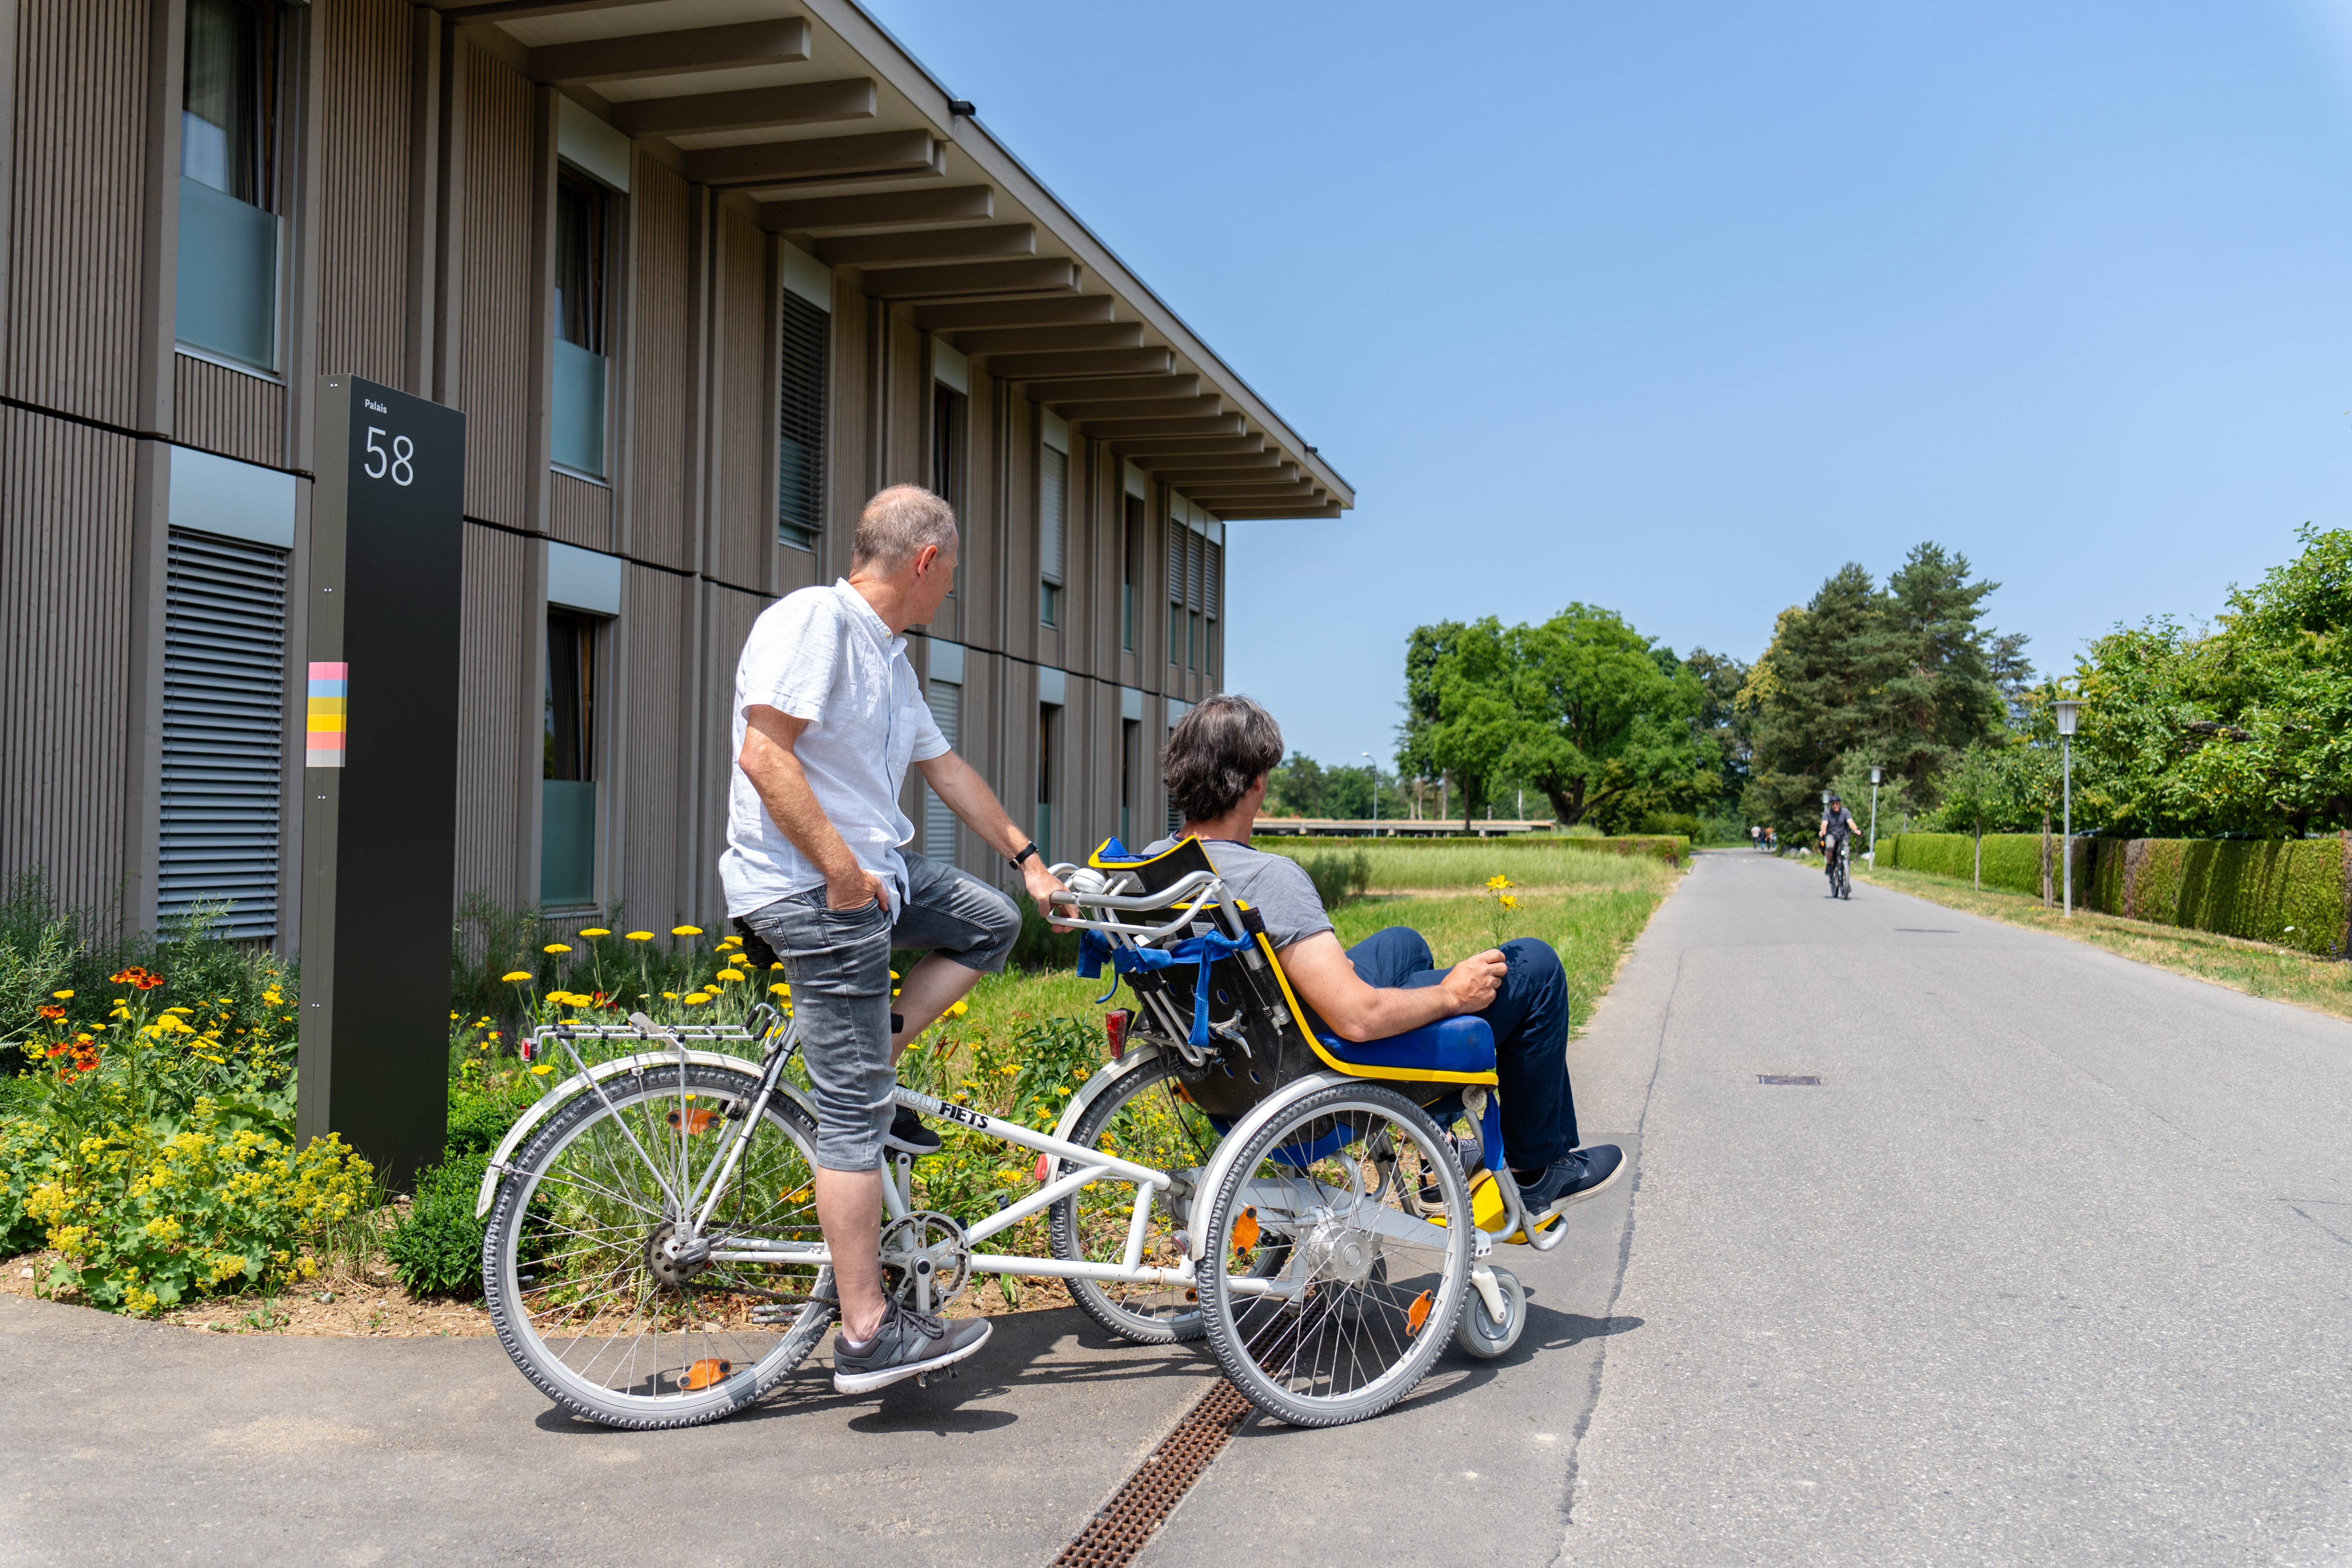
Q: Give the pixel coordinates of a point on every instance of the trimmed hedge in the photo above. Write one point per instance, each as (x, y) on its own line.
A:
(2290, 892)
(1669, 848)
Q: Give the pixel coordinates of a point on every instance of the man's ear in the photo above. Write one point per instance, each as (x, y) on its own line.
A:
(925, 559)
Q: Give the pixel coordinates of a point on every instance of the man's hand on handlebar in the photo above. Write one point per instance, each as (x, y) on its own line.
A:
(1042, 885)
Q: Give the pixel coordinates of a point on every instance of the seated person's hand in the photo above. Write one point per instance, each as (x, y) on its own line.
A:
(1470, 985)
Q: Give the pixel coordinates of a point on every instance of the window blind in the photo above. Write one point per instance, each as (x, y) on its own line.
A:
(800, 435)
(223, 731)
(1053, 512)
(946, 700)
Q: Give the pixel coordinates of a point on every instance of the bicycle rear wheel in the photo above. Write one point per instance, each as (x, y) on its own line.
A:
(1138, 1118)
(1326, 1296)
(584, 1298)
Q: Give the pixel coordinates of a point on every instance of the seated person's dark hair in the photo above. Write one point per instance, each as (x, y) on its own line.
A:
(1215, 753)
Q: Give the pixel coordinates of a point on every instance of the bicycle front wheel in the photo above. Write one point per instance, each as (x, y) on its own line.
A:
(1140, 1118)
(1326, 1292)
(580, 1266)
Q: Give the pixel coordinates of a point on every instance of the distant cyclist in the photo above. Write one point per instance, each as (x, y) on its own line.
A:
(1837, 825)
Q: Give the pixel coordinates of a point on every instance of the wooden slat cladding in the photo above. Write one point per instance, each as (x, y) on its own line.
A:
(72, 313)
(743, 501)
(656, 829)
(65, 642)
(580, 512)
(494, 382)
(364, 221)
(224, 411)
(727, 622)
(499, 720)
(661, 363)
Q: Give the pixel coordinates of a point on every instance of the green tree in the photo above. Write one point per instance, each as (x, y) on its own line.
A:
(1459, 715)
(1808, 695)
(1722, 721)
(1932, 687)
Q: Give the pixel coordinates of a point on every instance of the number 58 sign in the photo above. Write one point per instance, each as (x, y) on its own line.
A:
(399, 462)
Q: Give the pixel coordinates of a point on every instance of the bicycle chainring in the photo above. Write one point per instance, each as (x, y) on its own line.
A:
(925, 1246)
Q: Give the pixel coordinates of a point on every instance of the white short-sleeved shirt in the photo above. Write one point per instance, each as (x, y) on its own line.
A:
(822, 655)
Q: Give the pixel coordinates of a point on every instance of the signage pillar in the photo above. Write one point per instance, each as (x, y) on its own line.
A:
(380, 779)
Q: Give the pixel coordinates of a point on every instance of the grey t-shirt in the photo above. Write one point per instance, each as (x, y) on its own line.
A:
(1274, 885)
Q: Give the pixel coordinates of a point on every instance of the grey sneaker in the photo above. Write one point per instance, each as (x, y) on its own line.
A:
(907, 1345)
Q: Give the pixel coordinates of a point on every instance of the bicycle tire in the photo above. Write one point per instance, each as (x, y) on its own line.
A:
(525, 1214)
(1175, 1315)
(1261, 1345)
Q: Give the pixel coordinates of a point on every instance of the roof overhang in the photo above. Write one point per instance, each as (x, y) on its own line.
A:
(850, 150)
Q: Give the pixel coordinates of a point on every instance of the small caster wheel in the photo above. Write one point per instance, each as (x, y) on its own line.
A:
(1478, 1334)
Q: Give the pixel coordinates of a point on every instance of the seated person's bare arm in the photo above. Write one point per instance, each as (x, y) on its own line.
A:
(1324, 979)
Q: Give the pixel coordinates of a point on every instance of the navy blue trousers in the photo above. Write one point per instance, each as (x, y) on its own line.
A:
(1529, 1018)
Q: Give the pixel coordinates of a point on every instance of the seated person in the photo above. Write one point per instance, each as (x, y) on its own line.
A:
(1216, 765)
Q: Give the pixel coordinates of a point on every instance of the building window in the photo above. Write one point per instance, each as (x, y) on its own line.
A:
(582, 309)
(224, 732)
(1185, 603)
(567, 815)
(1131, 774)
(950, 417)
(800, 427)
(1052, 531)
(1176, 536)
(1049, 747)
(1130, 571)
(226, 287)
(940, 828)
(1212, 593)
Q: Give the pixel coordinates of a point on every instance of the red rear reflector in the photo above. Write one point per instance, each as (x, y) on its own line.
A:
(1043, 1160)
(1115, 1026)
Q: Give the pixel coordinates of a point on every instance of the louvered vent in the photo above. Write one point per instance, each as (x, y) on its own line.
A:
(946, 698)
(800, 435)
(1213, 580)
(223, 731)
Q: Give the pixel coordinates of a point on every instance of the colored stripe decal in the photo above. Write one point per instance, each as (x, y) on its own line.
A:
(328, 720)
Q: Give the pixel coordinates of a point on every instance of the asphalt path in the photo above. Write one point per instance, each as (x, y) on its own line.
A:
(2052, 1266)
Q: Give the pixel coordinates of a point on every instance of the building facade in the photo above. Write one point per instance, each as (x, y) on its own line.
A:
(702, 275)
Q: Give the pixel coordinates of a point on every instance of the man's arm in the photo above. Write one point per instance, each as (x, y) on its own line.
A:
(771, 765)
(1319, 972)
(957, 783)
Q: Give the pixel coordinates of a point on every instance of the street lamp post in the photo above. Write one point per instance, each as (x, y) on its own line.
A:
(1872, 856)
(2065, 708)
(1374, 768)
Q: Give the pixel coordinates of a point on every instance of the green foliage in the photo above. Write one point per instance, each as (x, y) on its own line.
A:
(1906, 678)
(1730, 727)
(1532, 861)
(1305, 787)
(437, 1247)
(1339, 874)
(1584, 710)
(1039, 946)
(2289, 892)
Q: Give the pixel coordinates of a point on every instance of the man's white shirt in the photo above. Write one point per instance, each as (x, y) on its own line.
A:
(822, 655)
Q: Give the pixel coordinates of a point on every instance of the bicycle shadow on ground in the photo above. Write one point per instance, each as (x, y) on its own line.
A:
(1454, 1373)
(1058, 1344)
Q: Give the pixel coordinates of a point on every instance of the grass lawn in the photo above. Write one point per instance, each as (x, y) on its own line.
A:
(1399, 866)
(2255, 968)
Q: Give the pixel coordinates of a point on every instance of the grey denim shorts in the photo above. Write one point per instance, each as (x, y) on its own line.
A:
(838, 964)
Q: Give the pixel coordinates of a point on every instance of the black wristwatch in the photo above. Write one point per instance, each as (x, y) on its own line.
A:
(1025, 853)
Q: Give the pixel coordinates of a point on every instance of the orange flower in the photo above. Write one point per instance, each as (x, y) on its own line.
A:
(52, 1014)
(144, 979)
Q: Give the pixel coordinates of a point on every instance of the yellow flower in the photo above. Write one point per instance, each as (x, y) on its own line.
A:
(640, 936)
(1499, 881)
(543, 1069)
(62, 996)
(959, 1009)
(696, 1000)
(593, 931)
(1508, 902)
(780, 990)
(777, 964)
(670, 996)
(556, 947)
(685, 930)
(731, 974)
(179, 1009)
(727, 941)
(453, 1017)
(516, 974)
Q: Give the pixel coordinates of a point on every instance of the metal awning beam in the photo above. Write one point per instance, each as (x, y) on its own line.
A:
(992, 243)
(819, 159)
(784, 40)
(752, 109)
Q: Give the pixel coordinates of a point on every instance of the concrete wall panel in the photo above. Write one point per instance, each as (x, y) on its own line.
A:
(501, 647)
(494, 375)
(661, 367)
(366, 104)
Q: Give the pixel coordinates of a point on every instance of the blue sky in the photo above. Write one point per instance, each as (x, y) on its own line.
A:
(1674, 308)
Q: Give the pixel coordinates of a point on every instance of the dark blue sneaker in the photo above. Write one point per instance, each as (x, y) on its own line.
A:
(1576, 1176)
(908, 1132)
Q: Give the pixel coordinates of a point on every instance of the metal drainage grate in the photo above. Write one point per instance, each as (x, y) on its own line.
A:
(1144, 1500)
(1801, 1081)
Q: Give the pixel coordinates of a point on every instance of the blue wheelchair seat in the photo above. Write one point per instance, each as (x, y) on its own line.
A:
(1448, 1045)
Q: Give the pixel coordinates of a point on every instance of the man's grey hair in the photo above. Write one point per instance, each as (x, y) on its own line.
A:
(897, 524)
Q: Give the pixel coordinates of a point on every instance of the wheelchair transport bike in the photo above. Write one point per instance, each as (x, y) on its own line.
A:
(1324, 1213)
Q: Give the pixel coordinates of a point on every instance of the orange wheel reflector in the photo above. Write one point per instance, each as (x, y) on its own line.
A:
(1246, 1231)
(1184, 1094)
(703, 1374)
(1418, 1313)
(694, 1120)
